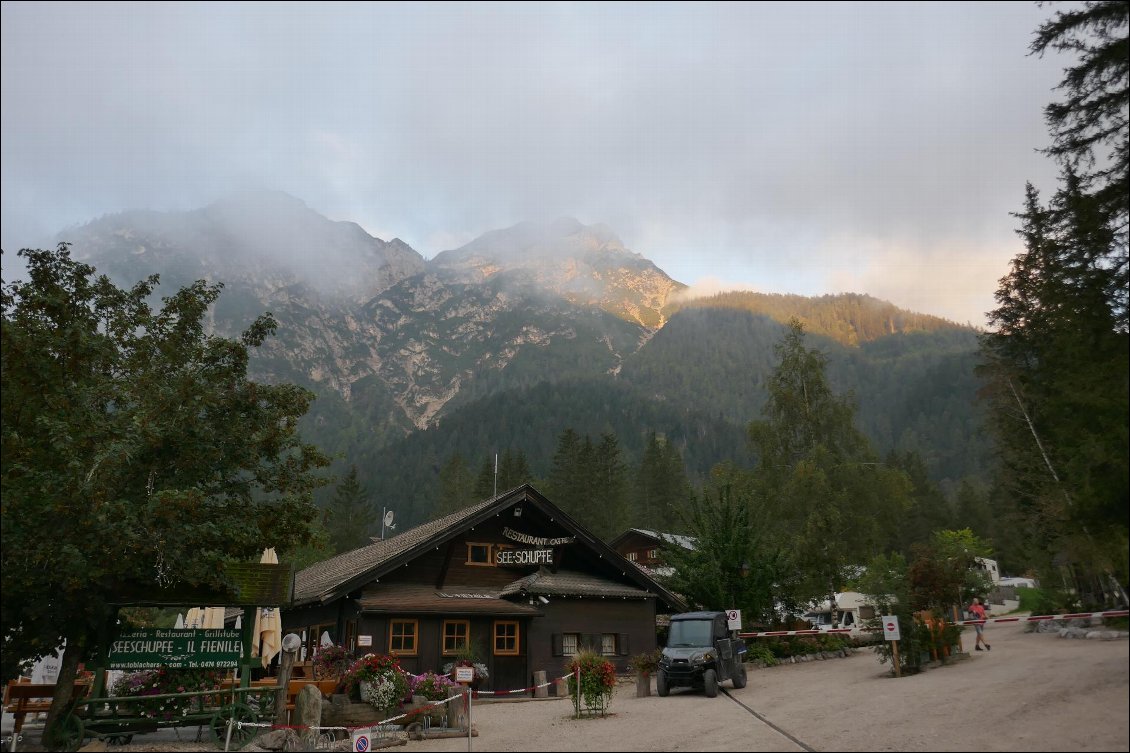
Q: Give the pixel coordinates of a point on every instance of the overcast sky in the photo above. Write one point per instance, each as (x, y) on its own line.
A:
(807, 148)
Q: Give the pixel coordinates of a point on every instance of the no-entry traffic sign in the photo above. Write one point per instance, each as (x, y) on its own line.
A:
(891, 628)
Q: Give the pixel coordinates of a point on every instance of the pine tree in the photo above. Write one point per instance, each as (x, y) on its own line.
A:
(457, 486)
(831, 498)
(350, 516)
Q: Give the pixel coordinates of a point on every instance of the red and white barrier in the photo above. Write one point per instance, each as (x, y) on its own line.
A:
(1033, 618)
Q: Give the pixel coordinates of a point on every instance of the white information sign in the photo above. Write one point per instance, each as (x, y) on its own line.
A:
(364, 640)
(891, 628)
(734, 619)
(464, 674)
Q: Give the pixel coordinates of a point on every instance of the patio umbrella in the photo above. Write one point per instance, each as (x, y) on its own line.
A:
(194, 619)
(213, 618)
(180, 622)
(268, 624)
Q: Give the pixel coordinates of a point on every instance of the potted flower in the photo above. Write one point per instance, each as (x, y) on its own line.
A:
(161, 682)
(425, 690)
(380, 681)
(645, 664)
(332, 663)
(467, 657)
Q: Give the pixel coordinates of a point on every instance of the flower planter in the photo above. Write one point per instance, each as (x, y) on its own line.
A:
(643, 685)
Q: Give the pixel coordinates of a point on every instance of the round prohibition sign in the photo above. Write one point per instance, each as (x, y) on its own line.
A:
(732, 615)
(362, 744)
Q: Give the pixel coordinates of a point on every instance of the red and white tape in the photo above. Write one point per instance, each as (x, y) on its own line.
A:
(1033, 618)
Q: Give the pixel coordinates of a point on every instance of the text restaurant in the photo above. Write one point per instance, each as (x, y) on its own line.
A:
(512, 582)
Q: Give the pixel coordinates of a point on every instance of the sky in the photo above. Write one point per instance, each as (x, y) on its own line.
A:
(790, 148)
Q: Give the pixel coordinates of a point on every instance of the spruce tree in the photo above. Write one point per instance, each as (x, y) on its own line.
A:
(350, 517)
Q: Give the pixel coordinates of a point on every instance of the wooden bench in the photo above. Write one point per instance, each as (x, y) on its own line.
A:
(23, 698)
(294, 687)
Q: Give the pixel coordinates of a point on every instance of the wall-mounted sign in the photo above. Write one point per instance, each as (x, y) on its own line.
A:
(524, 557)
(445, 595)
(525, 538)
(364, 640)
(178, 649)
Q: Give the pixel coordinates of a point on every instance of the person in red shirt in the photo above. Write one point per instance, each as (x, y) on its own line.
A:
(977, 609)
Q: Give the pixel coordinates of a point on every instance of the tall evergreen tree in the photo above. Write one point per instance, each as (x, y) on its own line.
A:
(831, 496)
(350, 516)
(661, 487)
(513, 469)
(609, 503)
(1057, 352)
(457, 486)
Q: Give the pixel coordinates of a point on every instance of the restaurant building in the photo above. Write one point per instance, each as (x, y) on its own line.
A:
(513, 577)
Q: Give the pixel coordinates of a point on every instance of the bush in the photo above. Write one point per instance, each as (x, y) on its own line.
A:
(646, 663)
(598, 679)
(164, 681)
(762, 653)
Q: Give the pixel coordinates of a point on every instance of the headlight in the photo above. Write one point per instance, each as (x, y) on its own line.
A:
(698, 658)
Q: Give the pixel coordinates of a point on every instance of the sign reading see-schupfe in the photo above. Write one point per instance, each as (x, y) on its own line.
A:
(178, 649)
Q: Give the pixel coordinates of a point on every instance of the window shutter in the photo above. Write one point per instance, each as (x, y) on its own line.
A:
(622, 644)
(558, 647)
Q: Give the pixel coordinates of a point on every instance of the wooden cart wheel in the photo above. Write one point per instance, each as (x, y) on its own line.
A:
(69, 734)
(237, 713)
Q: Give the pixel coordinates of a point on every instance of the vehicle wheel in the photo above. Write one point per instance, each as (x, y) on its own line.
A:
(236, 712)
(739, 677)
(119, 739)
(710, 683)
(69, 734)
(661, 684)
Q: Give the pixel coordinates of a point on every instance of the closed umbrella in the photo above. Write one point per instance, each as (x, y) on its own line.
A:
(268, 624)
(213, 618)
(194, 619)
(180, 622)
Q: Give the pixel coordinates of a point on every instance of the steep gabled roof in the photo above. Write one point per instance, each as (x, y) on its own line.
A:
(686, 542)
(330, 579)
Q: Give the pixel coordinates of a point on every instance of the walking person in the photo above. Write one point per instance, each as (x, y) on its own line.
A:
(977, 609)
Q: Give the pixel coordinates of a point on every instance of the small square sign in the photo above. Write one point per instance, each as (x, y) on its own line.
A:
(464, 674)
(890, 628)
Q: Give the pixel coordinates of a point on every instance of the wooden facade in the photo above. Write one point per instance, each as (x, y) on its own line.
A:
(515, 577)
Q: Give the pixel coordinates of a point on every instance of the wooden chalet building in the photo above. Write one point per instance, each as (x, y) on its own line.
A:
(644, 548)
(519, 579)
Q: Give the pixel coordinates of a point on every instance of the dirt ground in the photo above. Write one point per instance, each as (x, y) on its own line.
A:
(1031, 692)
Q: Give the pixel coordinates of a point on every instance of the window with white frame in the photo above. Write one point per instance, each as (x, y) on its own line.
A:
(569, 643)
(608, 644)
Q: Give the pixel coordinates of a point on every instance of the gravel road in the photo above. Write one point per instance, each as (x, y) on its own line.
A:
(1033, 691)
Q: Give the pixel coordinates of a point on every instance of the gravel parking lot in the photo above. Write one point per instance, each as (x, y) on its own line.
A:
(1031, 692)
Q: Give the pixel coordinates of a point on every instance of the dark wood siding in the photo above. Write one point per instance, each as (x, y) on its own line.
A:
(633, 618)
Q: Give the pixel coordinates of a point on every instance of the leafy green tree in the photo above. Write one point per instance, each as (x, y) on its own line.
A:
(135, 452)
(832, 498)
(350, 516)
(735, 562)
(929, 510)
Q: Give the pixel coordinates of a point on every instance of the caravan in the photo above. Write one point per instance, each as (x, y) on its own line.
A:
(852, 610)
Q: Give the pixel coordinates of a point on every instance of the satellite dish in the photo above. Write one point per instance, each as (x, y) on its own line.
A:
(388, 519)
